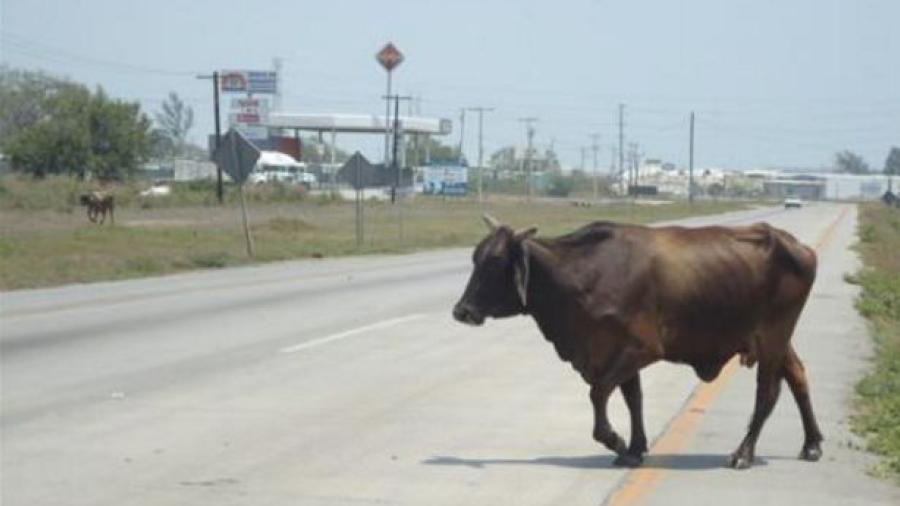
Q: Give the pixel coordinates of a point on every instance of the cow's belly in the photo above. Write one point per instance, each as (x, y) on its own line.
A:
(708, 354)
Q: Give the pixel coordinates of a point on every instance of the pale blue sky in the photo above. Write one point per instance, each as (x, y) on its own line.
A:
(773, 82)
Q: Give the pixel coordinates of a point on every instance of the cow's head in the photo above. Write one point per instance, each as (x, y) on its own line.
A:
(498, 286)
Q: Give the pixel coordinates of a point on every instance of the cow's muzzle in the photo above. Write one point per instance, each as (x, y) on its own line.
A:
(464, 313)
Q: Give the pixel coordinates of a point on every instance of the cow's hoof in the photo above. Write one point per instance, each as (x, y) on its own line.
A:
(628, 460)
(612, 441)
(811, 453)
(740, 461)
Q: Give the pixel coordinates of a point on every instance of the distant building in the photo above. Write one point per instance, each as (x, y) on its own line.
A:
(828, 186)
(807, 188)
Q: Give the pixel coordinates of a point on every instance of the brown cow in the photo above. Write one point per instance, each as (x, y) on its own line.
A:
(98, 204)
(615, 298)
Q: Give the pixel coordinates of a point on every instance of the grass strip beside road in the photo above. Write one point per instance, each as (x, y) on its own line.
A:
(878, 394)
(48, 247)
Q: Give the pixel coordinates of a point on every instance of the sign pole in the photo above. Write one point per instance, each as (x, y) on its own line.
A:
(247, 235)
(387, 119)
(359, 211)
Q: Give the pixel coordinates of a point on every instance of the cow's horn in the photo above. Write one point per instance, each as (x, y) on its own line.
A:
(491, 222)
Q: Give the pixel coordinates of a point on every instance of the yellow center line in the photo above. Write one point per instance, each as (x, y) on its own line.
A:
(639, 482)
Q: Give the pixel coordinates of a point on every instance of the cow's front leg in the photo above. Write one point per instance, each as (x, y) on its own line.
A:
(603, 431)
(623, 371)
(631, 391)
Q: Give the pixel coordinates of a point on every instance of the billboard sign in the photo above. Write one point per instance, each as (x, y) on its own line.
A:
(248, 81)
(250, 104)
(445, 180)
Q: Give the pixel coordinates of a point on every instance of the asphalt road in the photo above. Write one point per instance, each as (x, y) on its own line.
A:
(346, 382)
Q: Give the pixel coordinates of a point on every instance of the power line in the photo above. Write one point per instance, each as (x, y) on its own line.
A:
(56, 55)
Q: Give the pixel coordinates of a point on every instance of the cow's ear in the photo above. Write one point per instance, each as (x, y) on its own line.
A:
(525, 233)
(522, 273)
(522, 264)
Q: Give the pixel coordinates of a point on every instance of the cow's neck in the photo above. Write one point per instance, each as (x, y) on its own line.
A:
(547, 292)
(546, 288)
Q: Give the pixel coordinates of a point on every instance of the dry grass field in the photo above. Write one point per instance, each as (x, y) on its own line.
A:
(46, 240)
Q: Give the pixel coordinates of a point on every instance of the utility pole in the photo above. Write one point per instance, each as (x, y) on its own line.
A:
(529, 133)
(691, 164)
(462, 132)
(634, 162)
(481, 111)
(582, 149)
(621, 139)
(595, 146)
(215, 80)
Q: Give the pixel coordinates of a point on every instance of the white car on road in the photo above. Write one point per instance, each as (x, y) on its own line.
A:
(274, 166)
(794, 202)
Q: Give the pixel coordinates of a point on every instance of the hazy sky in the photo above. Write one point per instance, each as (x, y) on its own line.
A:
(773, 82)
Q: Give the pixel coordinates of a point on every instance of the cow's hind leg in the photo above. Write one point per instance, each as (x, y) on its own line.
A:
(768, 386)
(631, 391)
(795, 375)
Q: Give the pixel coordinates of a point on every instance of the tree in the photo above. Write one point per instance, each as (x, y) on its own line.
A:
(175, 121)
(892, 164)
(427, 149)
(120, 136)
(53, 126)
(560, 185)
(161, 145)
(850, 163)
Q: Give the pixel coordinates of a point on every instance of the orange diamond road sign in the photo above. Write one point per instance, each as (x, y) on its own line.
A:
(389, 57)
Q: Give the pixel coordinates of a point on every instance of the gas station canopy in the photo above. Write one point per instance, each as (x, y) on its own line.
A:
(356, 123)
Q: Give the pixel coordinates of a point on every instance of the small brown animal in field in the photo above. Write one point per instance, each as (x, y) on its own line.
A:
(98, 204)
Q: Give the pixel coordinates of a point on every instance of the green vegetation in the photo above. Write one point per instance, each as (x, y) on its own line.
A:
(54, 126)
(46, 240)
(879, 392)
(892, 163)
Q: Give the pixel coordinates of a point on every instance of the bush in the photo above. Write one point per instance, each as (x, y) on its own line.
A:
(560, 186)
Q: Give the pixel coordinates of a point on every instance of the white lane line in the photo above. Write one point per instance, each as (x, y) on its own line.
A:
(352, 332)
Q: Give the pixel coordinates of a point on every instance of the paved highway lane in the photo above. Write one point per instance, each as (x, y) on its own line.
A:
(346, 382)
